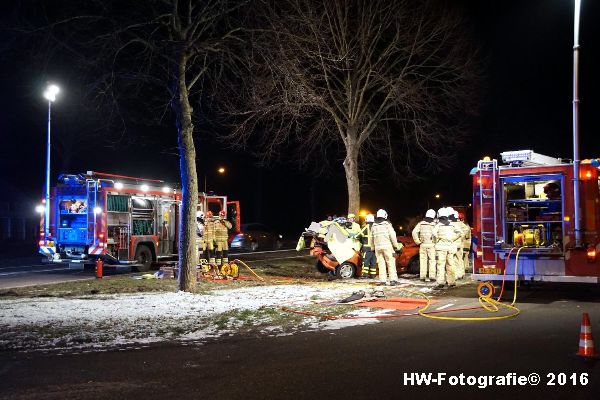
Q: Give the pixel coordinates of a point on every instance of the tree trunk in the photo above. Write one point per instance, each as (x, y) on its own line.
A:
(351, 169)
(189, 183)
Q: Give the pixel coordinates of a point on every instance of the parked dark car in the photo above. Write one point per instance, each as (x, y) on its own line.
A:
(256, 236)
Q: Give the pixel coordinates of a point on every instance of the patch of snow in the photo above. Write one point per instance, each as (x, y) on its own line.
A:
(95, 322)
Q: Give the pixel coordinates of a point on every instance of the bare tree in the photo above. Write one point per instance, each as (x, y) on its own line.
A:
(144, 58)
(364, 79)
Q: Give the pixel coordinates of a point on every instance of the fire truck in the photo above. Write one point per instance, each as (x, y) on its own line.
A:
(524, 219)
(121, 219)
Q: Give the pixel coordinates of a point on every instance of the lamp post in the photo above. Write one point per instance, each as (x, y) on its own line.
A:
(576, 161)
(50, 95)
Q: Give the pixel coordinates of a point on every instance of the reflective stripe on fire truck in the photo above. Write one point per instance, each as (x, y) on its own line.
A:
(47, 250)
(96, 250)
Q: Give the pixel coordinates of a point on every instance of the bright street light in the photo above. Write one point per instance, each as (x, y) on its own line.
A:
(221, 170)
(50, 95)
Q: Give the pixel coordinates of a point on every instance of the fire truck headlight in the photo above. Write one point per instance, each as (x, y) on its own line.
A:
(97, 210)
(118, 185)
(166, 189)
(40, 209)
(144, 188)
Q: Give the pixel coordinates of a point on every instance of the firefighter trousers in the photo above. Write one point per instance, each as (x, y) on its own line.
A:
(445, 266)
(459, 264)
(427, 262)
(222, 252)
(386, 264)
(369, 262)
(205, 251)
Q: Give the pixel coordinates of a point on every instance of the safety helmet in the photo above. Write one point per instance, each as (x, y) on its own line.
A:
(382, 214)
(222, 214)
(461, 216)
(455, 213)
(199, 214)
(430, 213)
(442, 212)
(209, 214)
(351, 216)
(370, 218)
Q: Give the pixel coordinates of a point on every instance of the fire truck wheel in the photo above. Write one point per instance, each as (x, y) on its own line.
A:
(346, 270)
(143, 257)
(321, 268)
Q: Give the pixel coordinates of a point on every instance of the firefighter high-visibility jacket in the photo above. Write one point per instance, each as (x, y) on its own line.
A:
(445, 236)
(221, 227)
(366, 236)
(423, 233)
(467, 237)
(384, 236)
(209, 230)
(464, 229)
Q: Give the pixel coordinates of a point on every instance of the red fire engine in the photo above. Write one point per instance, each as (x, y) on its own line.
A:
(123, 220)
(524, 214)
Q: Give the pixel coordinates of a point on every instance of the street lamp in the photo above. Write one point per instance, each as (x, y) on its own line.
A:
(50, 95)
(220, 170)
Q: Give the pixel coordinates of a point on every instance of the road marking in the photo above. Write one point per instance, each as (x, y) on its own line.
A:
(444, 307)
(34, 271)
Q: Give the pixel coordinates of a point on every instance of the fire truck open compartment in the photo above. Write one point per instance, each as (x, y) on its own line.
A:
(531, 217)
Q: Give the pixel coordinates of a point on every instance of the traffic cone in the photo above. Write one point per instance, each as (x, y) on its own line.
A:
(586, 340)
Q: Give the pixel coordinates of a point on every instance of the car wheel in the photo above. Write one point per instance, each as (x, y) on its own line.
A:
(413, 265)
(253, 246)
(321, 268)
(143, 258)
(346, 270)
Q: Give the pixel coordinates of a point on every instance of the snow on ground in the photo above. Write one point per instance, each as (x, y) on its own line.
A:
(102, 321)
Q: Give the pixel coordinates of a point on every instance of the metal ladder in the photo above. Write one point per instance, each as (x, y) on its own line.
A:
(91, 195)
(487, 174)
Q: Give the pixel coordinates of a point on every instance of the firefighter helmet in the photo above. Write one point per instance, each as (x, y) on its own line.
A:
(442, 212)
(430, 213)
(351, 216)
(209, 214)
(200, 215)
(222, 214)
(382, 214)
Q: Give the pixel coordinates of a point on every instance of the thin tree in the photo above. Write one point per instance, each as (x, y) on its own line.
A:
(362, 79)
(140, 59)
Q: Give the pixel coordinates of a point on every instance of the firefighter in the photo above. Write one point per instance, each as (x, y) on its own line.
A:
(384, 243)
(423, 236)
(221, 238)
(353, 230)
(209, 236)
(369, 263)
(445, 234)
(200, 240)
(458, 260)
(466, 242)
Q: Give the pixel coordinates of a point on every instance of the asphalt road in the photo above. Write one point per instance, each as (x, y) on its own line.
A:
(31, 271)
(365, 362)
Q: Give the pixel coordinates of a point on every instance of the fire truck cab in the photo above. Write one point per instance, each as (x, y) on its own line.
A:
(123, 220)
(523, 219)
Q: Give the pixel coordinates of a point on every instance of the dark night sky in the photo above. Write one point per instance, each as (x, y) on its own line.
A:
(526, 105)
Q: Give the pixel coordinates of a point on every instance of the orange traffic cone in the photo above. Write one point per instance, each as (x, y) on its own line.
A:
(586, 340)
